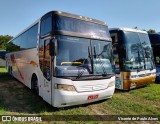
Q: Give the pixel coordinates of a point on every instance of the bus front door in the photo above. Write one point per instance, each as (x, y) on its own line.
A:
(116, 67)
(46, 70)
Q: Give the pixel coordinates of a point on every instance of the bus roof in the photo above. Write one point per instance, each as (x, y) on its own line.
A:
(63, 14)
(128, 29)
(76, 17)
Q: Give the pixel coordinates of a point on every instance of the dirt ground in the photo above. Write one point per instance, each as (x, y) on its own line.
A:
(16, 97)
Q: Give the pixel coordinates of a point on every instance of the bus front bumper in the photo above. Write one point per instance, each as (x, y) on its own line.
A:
(70, 98)
(139, 82)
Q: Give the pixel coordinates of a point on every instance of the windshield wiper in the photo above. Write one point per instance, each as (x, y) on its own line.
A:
(80, 73)
(101, 63)
(84, 67)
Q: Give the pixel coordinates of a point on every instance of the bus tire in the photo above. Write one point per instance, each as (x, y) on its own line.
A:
(34, 84)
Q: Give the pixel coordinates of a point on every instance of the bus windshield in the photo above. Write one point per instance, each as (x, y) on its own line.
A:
(80, 26)
(148, 54)
(75, 55)
(138, 53)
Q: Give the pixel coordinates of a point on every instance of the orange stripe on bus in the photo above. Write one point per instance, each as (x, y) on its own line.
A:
(14, 62)
(33, 63)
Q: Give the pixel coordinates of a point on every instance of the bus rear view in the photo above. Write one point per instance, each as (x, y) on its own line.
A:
(134, 62)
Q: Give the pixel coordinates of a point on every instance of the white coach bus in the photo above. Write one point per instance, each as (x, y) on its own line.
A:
(65, 58)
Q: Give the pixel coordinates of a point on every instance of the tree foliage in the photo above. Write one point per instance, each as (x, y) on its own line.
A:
(3, 40)
(151, 31)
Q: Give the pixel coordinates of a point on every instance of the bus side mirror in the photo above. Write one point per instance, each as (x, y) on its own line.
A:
(53, 47)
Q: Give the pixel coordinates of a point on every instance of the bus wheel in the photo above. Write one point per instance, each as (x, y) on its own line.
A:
(34, 83)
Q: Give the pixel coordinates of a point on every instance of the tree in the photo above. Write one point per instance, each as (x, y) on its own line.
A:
(3, 40)
(136, 27)
(151, 31)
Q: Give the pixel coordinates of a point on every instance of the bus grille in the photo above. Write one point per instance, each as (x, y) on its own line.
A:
(89, 88)
(148, 74)
(141, 75)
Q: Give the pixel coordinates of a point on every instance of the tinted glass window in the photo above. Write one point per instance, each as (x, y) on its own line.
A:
(137, 53)
(72, 51)
(80, 26)
(26, 40)
(133, 58)
(46, 25)
(75, 55)
(31, 37)
(102, 56)
(154, 39)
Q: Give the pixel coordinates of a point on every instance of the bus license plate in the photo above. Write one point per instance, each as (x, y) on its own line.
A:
(92, 97)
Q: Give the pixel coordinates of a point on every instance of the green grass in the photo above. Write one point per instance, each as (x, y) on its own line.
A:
(128, 104)
(15, 98)
(3, 70)
(152, 92)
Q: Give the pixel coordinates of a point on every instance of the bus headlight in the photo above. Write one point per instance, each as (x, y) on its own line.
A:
(112, 83)
(64, 87)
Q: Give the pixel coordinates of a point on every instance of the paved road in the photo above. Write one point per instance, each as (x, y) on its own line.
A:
(2, 62)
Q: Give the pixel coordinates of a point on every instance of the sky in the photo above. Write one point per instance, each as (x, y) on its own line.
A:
(16, 15)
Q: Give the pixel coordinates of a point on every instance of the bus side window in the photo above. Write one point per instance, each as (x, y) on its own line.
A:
(46, 25)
